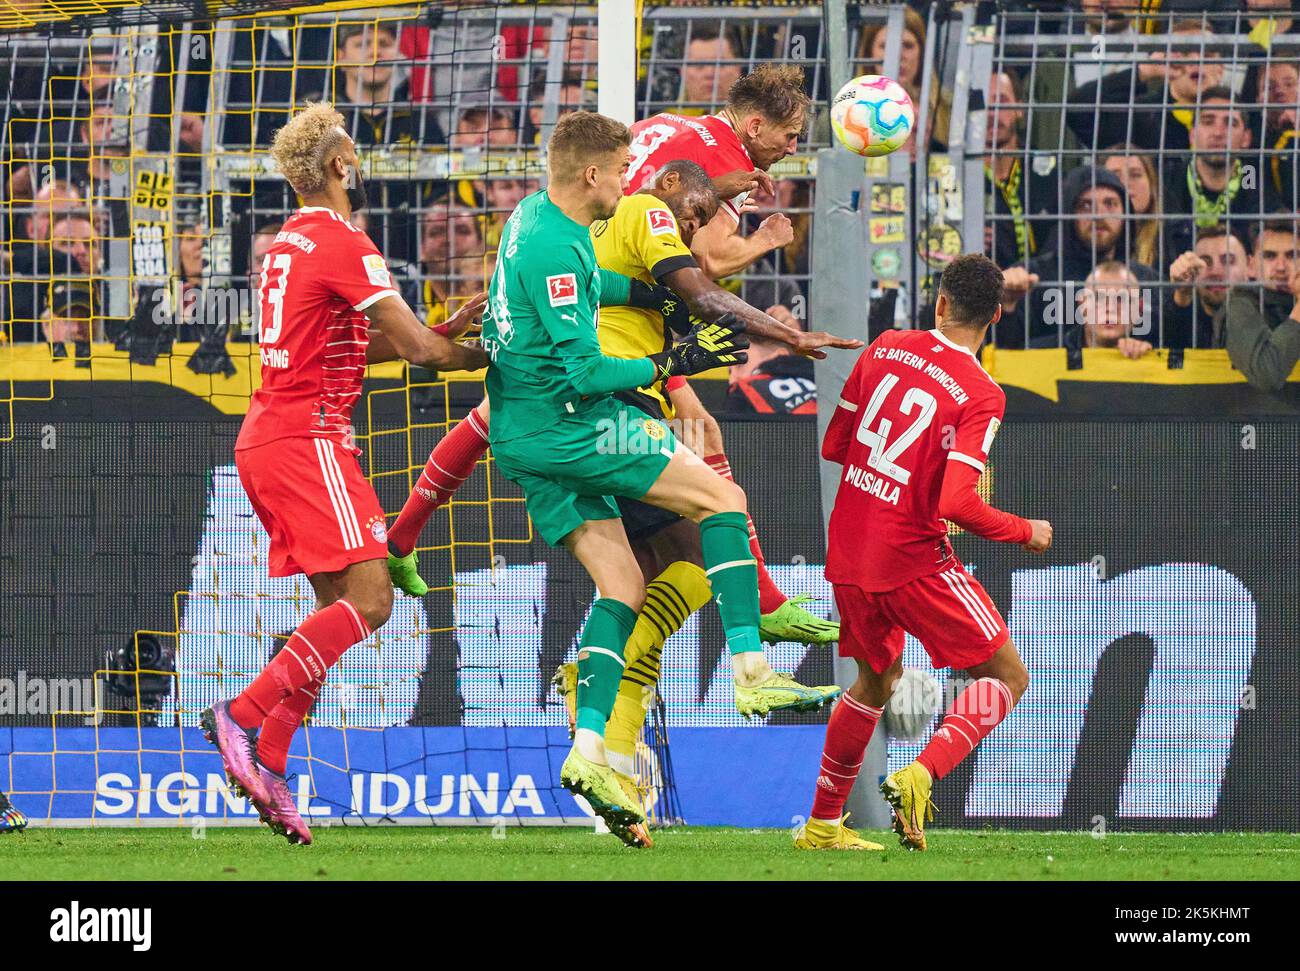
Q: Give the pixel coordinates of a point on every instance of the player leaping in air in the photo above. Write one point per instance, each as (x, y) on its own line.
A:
(648, 240)
(645, 245)
(642, 248)
(764, 116)
(913, 431)
(551, 392)
(327, 308)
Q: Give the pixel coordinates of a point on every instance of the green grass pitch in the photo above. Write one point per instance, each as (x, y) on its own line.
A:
(691, 853)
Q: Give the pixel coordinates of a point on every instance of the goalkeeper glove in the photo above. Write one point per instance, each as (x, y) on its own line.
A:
(665, 302)
(707, 346)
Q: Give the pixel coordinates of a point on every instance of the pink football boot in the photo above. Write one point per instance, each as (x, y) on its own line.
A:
(280, 811)
(238, 748)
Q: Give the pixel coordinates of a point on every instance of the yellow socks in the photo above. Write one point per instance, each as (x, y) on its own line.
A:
(670, 598)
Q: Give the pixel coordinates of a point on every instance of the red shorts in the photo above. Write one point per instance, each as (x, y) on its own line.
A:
(948, 612)
(317, 506)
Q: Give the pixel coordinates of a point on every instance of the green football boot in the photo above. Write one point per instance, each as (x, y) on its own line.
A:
(404, 571)
(565, 681)
(780, 692)
(791, 622)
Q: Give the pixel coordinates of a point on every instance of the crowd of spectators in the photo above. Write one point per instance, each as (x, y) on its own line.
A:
(1140, 185)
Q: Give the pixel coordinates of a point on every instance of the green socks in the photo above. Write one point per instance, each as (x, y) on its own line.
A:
(729, 564)
(733, 575)
(600, 660)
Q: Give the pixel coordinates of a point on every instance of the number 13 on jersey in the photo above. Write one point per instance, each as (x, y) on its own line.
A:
(275, 280)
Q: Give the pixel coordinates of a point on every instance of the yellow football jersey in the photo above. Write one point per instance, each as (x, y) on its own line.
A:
(640, 241)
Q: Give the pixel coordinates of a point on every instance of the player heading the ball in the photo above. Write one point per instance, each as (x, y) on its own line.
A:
(551, 393)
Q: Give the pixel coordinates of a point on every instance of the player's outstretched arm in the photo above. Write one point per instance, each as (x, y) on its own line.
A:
(380, 350)
(710, 302)
(960, 503)
(705, 347)
(398, 333)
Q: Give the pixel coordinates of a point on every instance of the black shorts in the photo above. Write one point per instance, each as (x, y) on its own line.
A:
(640, 519)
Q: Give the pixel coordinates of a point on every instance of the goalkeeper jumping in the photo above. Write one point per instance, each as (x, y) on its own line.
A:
(765, 114)
(551, 395)
(648, 240)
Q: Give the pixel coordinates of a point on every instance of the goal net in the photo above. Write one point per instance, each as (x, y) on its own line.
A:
(139, 196)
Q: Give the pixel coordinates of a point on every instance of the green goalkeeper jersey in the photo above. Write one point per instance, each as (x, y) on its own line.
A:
(540, 325)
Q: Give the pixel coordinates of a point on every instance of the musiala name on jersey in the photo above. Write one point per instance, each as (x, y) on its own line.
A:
(872, 484)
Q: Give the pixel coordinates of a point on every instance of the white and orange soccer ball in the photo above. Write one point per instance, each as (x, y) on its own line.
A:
(872, 115)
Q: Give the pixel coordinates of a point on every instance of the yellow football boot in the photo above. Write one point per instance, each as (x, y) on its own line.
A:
(821, 834)
(640, 832)
(780, 692)
(565, 681)
(908, 792)
(599, 785)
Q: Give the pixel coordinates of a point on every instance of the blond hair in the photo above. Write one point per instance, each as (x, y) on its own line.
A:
(583, 138)
(1146, 237)
(302, 147)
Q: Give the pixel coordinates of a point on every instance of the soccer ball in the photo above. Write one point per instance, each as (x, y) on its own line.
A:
(872, 115)
(912, 706)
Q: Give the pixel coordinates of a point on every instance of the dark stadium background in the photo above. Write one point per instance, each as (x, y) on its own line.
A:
(100, 533)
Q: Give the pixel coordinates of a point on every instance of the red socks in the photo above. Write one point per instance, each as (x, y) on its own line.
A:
(769, 596)
(847, 735)
(974, 713)
(311, 651)
(278, 729)
(450, 463)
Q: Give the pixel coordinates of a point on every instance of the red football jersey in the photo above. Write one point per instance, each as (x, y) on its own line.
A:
(709, 141)
(914, 402)
(319, 276)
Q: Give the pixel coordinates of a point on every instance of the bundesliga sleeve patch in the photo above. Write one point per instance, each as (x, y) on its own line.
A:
(376, 270)
(994, 425)
(661, 222)
(563, 289)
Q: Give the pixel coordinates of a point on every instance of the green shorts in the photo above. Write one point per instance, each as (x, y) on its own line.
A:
(640, 519)
(572, 470)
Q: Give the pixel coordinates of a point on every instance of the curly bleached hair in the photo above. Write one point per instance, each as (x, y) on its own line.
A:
(301, 147)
